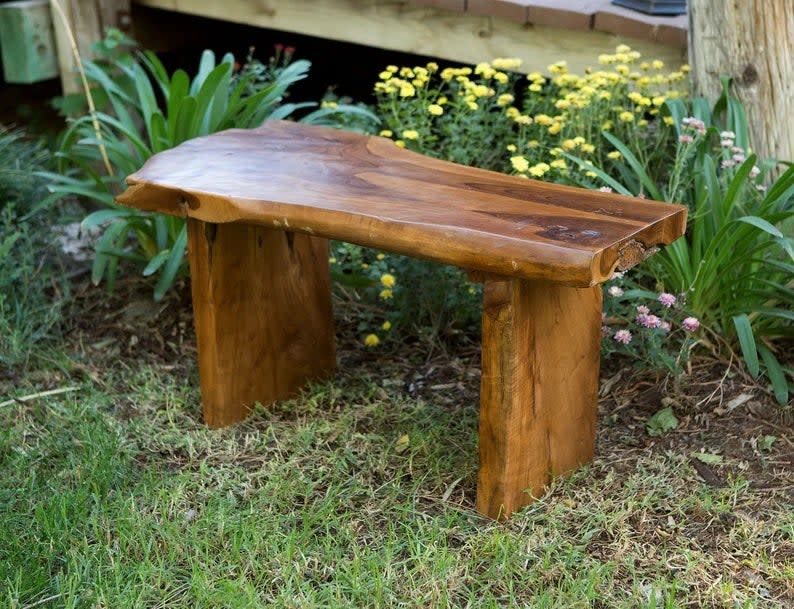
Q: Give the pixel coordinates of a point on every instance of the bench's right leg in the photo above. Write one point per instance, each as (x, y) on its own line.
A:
(262, 311)
(538, 397)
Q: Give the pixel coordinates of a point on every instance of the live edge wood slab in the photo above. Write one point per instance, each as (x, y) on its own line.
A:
(261, 205)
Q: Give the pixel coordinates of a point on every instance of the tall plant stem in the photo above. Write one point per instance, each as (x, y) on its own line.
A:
(91, 106)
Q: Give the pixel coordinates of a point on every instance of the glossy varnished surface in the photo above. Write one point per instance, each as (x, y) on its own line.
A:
(365, 190)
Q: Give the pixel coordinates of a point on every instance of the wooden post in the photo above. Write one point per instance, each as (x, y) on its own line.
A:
(262, 309)
(750, 41)
(538, 400)
(88, 21)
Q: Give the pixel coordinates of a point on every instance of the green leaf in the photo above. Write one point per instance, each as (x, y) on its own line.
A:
(744, 332)
(104, 215)
(174, 261)
(155, 263)
(707, 458)
(762, 224)
(776, 376)
(650, 186)
(661, 422)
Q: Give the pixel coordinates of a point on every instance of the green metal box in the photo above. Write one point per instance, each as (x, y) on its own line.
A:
(27, 41)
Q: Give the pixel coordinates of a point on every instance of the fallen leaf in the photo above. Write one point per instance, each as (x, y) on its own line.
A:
(707, 458)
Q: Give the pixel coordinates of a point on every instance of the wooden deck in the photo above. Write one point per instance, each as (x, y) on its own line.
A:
(540, 32)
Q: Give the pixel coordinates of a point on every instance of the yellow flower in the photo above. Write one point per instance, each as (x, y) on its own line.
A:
(364, 265)
(406, 72)
(622, 70)
(622, 48)
(579, 140)
(539, 169)
(588, 148)
(386, 325)
(501, 78)
(535, 87)
(657, 64)
(669, 120)
(533, 143)
(380, 256)
(614, 155)
(562, 104)
(407, 90)
(512, 112)
(607, 125)
(555, 128)
(371, 340)
(472, 105)
(399, 143)
(385, 75)
(435, 110)
(386, 294)
(558, 164)
(510, 147)
(432, 66)
(543, 119)
(560, 67)
(685, 68)
(535, 77)
(506, 63)
(332, 260)
(519, 163)
(658, 100)
(410, 134)
(591, 174)
(626, 117)
(504, 99)
(385, 133)
(523, 119)
(568, 144)
(392, 68)
(642, 123)
(442, 100)
(388, 280)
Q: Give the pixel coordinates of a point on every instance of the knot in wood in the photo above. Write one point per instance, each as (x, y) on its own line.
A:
(632, 253)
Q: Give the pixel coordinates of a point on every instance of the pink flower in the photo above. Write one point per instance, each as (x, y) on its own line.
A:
(760, 188)
(649, 321)
(690, 324)
(643, 310)
(605, 189)
(615, 291)
(686, 139)
(727, 163)
(695, 124)
(728, 135)
(726, 143)
(623, 336)
(754, 172)
(739, 158)
(667, 300)
(665, 326)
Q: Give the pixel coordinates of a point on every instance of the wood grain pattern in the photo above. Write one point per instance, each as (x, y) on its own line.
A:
(262, 310)
(421, 30)
(538, 398)
(365, 190)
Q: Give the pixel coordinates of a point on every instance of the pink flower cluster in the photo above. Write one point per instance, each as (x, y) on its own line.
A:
(694, 124)
(646, 319)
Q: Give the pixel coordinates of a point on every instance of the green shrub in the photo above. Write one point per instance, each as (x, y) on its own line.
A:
(147, 111)
(20, 159)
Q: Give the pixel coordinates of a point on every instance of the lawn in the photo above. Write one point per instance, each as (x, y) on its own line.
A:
(360, 493)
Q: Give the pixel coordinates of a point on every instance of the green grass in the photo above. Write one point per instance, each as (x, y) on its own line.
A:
(117, 496)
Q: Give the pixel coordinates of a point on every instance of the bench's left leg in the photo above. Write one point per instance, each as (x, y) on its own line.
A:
(539, 389)
(262, 311)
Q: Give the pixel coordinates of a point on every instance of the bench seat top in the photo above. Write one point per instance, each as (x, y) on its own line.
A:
(365, 190)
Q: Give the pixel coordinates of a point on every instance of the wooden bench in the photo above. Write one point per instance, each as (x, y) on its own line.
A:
(261, 205)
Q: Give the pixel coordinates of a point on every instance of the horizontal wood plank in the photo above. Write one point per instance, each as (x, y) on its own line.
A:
(365, 190)
(431, 31)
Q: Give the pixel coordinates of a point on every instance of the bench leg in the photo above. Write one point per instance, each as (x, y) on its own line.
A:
(540, 363)
(262, 310)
